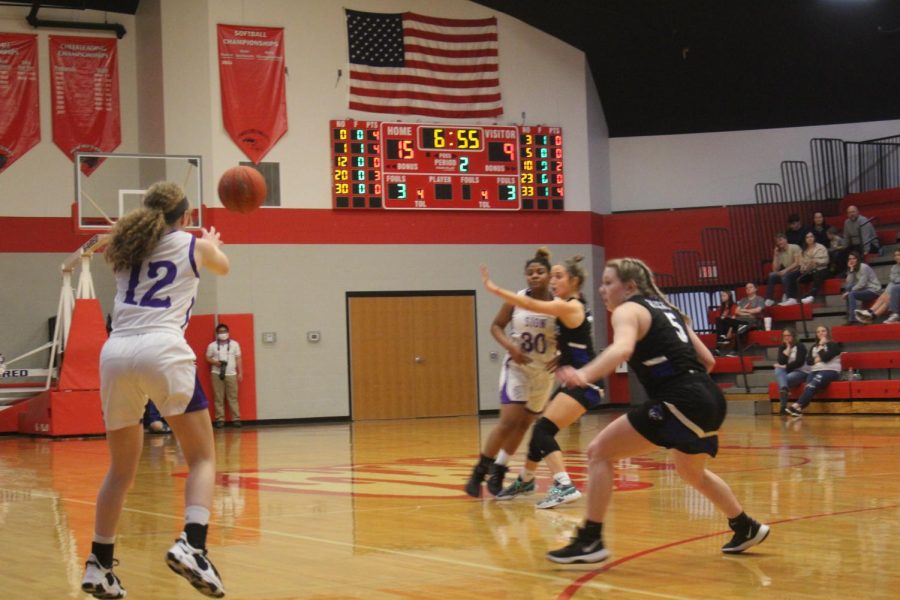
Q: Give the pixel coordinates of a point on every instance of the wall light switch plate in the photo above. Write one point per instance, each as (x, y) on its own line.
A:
(268, 337)
(313, 336)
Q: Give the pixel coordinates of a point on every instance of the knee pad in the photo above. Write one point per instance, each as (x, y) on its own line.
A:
(543, 440)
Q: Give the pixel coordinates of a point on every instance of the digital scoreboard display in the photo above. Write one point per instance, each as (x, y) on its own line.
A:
(446, 167)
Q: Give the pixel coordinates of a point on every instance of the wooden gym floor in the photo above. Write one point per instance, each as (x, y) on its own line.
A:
(375, 511)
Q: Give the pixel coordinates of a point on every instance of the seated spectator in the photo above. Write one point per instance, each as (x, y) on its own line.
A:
(785, 270)
(837, 253)
(791, 369)
(813, 266)
(726, 324)
(890, 299)
(824, 359)
(860, 233)
(749, 310)
(861, 285)
(795, 231)
(820, 228)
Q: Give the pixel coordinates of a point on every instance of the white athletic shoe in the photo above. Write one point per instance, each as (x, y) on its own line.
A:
(559, 494)
(101, 582)
(808, 300)
(894, 318)
(788, 302)
(770, 302)
(195, 566)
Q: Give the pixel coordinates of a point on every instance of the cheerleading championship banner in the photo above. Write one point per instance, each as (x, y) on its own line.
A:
(251, 75)
(84, 87)
(20, 118)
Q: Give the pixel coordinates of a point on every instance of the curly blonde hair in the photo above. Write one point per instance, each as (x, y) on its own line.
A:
(136, 234)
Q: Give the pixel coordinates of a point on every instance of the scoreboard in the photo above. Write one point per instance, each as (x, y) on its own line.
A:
(446, 166)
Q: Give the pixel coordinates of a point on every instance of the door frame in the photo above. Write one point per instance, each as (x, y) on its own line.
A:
(401, 294)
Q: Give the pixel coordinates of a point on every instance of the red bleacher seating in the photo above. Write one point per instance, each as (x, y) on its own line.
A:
(882, 388)
(735, 364)
(866, 333)
(795, 312)
(766, 339)
(888, 359)
(708, 339)
(838, 390)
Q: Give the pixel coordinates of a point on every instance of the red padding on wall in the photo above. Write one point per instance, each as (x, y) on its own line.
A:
(201, 331)
(81, 365)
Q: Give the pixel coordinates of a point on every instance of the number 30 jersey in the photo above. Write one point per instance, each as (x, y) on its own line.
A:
(535, 334)
(158, 294)
(665, 352)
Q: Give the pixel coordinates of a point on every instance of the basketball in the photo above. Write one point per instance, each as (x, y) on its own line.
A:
(242, 189)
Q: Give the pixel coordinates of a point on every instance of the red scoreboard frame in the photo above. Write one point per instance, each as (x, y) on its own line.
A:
(417, 166)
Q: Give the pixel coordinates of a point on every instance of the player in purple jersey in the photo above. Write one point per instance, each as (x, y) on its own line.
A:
(156, 266)
(684, 412)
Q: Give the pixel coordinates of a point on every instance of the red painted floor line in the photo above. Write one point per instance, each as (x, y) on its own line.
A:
(578, 583)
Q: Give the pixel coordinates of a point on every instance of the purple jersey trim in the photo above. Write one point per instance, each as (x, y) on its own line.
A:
(187, 315)
(191, 256)
(198, 400)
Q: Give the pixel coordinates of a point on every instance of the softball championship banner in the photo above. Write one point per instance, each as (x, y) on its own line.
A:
(84, 80)
(251, 76)
(20, 119)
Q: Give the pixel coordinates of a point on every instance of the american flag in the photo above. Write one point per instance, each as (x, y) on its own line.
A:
(413, 64)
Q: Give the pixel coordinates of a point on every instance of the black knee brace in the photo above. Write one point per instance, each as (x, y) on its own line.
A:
(543, 440)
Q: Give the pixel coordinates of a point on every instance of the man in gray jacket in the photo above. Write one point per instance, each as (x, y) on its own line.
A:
(860, 233)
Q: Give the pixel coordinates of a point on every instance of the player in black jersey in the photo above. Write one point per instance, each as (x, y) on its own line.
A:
(568, 404)
(684, 412)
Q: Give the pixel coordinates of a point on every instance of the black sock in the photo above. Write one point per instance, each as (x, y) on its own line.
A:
(740, 523)
(485, 461)
(104, 554)
(196, 535)
(593, 529)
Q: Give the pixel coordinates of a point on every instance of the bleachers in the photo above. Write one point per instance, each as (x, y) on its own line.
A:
(871, 358)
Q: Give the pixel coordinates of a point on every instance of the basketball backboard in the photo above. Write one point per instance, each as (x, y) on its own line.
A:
(117, 184)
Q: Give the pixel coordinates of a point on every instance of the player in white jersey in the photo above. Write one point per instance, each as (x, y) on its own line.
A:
(525, 379)
(157, 269)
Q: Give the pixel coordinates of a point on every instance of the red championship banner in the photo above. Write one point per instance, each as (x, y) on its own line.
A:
(20, 118)
(84, 80)
(251, 74)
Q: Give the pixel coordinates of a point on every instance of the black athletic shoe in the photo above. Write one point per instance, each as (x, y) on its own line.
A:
(495, 478)
(746, 538)
(473, 486)
(582, 549)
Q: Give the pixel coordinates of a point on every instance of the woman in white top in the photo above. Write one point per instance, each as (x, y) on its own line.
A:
(824, 359)
(525, 379)
(157, 270)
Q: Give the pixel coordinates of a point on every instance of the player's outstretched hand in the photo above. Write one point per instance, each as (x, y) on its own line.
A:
(211, 235)
(486, 280)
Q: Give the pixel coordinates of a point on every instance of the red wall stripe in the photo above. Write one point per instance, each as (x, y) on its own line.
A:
(316, 226)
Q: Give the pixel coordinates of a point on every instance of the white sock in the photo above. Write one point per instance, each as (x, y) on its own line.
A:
(196, 514)
(104, 540)
(502, 458)
(562, 478)
(526, 475)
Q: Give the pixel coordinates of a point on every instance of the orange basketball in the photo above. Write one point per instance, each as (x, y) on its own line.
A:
(242, 189)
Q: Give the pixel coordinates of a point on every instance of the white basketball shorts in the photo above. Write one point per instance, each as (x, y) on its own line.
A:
(150, 366)
(529, 385)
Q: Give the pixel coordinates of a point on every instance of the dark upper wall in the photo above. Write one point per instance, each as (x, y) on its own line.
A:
(690, 66)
